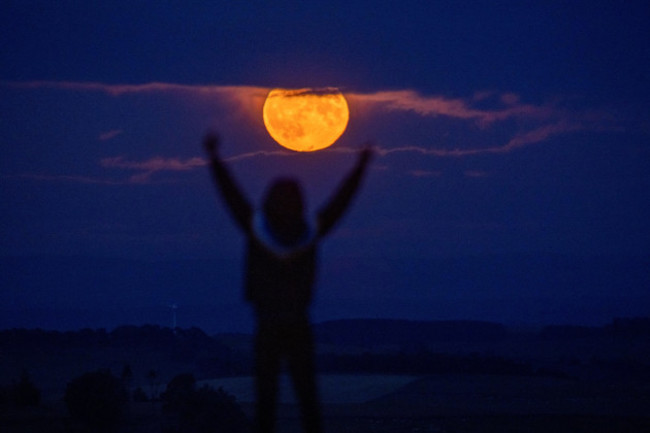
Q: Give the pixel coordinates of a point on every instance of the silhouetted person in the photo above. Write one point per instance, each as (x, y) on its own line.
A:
(280, 272)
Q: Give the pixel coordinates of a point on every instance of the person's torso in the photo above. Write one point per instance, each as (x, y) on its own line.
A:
(280, 280)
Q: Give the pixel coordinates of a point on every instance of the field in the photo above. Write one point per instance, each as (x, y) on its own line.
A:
(457, 403)
(334, 389)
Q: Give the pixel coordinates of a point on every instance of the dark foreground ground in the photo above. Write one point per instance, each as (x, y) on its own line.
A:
(492, 424)
(358, 420)
(461, 404)
(486, 404)
(454, 377)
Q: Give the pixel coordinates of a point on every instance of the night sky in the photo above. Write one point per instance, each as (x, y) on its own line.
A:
(510, 181)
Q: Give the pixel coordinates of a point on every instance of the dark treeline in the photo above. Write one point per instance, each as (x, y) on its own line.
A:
(423, 363)
(406, 334)
(192, 345)
(151, 337)
(619, 327)
(379, 346)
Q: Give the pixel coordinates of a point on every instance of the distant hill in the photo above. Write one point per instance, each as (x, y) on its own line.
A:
(407, 335)
(617, 351)
(373, 333)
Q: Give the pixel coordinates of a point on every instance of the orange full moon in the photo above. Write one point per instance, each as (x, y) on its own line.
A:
(305, 120)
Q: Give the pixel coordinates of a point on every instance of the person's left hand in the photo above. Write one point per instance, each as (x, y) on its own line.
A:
(366, 154)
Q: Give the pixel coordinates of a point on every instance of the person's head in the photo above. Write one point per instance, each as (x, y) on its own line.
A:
(284, 209)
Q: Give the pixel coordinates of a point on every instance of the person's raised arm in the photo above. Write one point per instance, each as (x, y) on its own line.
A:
(329, 214)
(239, 206)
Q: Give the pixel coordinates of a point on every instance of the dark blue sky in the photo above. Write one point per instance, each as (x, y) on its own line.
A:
(500, 127)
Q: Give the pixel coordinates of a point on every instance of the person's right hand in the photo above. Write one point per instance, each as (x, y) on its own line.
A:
(211, 143)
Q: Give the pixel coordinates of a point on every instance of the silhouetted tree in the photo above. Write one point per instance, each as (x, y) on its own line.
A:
(178, 393)
(139, 395)
(127, 374)
(192, 410)
(24, 392)
(152, 376)
(97, 399)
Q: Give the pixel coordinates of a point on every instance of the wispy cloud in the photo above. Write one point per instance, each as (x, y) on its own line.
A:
(475, 173)
(122, 89)
(245, 94)
(425, 173)
(504, 106)
(145, 169)
(65, 178)
(392, 100)
(156, 163)
(108, 135)
(519, 140)
(535, 123)
(515, 123)
(255, 154)
(457, 108)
